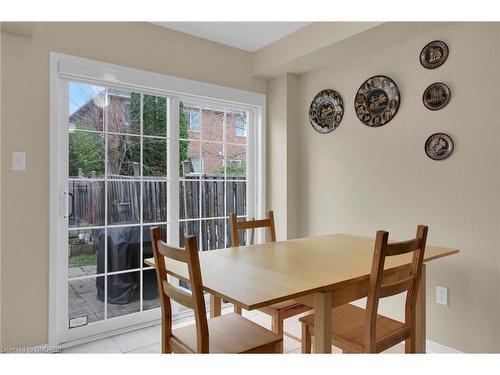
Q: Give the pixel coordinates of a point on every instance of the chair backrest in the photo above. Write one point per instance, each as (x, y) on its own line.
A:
(236, 226)
(407, 282)
(167, 291)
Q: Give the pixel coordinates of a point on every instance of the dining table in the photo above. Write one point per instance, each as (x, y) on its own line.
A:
(319, 271)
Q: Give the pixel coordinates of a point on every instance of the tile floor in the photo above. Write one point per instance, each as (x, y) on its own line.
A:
(148, 340)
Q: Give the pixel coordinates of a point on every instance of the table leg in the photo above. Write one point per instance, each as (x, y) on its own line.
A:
(323, 322)
(420, 335)
(215, 306)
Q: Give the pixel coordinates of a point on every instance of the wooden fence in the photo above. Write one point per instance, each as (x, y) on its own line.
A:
(212, 197)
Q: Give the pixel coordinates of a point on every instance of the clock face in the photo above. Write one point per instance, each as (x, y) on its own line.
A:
(326, 111)
(377, 101)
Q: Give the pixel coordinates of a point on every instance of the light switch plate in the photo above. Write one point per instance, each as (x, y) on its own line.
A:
(442, 295)
(18, 161)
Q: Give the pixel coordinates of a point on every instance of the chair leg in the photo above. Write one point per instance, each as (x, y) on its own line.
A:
(410, 345)
(277, 324)
(165, 345)
(306, 339)
(237, 309)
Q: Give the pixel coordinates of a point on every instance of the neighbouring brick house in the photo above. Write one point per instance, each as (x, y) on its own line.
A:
(205, 125)
(211, 124)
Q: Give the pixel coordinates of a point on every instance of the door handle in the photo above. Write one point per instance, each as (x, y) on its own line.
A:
(70, 214)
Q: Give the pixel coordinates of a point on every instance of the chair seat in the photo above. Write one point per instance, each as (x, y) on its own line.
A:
(230, 333)
(348, 327)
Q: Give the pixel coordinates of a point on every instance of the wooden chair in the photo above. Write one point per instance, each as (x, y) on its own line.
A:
(280, 311)
(357, 330)
(225, 334)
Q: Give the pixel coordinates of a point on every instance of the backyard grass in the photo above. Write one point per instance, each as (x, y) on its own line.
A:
(81, 260)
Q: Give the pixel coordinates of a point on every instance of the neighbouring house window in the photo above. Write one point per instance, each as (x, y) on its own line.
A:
(193, 117)
(195, 164)
(127, 114)
(241, 127)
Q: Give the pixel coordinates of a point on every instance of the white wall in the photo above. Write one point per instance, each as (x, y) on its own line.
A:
(359, 179)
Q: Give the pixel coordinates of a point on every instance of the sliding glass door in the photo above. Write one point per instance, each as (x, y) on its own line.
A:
(133, 160)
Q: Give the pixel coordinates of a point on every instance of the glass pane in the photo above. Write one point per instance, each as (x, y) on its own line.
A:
(86, 154)
(154, 157)
(213, 159)
(236, 125)
(213, 234)
(86, 103)
(124, 112)
(151, 299)
(236, 161)
(124, 156)
(242, 234)
(84, 299)
(155, 115)
(236, 197)
(189, 121)
(123, 202)
(189, 158)
(124, 250)
(146, 244)
(154, 201)
(212, 197)
(188, 228)
(85, 203)
(84, 248)
(212, 125)
(189, 199)
(123, 294)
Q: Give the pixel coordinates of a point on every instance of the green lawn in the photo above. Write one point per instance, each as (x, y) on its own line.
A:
(83, 260)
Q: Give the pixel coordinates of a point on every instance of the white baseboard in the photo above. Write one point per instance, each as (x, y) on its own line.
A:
(106, 334)
(435, 348)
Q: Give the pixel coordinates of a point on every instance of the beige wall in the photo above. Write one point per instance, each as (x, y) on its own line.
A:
(282, 163)
(359, 179)
(332, 180)
(25, 127)
(277, 152)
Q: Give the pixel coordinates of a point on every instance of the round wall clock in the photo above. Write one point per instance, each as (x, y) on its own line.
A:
(434, 54)
(436, 96)
(439, 146)
(326, 111)
(377, 101)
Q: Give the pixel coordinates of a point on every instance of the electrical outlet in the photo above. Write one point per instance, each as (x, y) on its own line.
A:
(442, 295)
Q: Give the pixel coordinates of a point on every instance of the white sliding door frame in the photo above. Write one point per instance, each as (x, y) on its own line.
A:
(65, 68)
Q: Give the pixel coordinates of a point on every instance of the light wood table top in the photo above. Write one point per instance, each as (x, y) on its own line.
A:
(260, 275)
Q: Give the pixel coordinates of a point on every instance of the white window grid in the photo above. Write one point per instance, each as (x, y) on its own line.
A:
(141, 224)
(200, 176)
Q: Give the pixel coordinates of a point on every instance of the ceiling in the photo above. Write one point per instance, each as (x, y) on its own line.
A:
(248, 36)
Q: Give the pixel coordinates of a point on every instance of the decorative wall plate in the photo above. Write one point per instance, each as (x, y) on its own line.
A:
(434, 54)
(439, 146)
(326, 111)
(377, 101)
(436, 96)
